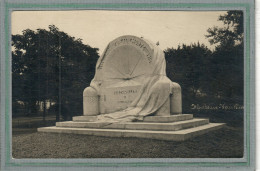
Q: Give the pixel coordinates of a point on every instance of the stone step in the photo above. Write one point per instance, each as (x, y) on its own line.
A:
(174, 126)
(179, 135)
(84, 118)
(170, 118)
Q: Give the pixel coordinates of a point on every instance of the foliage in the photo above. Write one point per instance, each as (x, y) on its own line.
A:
(205, 76)
(45, 62)
(228, 57)
(188, 66)
(231, 34)
(211, 77)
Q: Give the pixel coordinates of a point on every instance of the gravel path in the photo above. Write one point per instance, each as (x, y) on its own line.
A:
(223, 143)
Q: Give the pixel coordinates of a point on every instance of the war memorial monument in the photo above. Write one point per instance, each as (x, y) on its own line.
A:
(131, 96)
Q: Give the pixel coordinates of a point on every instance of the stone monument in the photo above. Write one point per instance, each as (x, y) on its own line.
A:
(131, 96)
(131, 82)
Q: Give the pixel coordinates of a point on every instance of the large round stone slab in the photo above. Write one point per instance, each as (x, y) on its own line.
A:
(126, 59)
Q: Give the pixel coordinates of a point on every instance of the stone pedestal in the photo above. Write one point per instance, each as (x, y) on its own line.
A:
(172, 127)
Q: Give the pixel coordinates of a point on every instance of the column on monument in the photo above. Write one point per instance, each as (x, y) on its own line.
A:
(176, 99)
(90, 102)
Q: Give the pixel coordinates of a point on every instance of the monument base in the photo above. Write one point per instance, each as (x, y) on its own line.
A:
(174, 127)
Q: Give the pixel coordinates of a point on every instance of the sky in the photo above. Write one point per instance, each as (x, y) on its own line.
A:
(98, 27)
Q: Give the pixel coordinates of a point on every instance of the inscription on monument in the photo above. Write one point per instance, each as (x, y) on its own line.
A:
(101, 64)
(137, 43)
(118, 92)
(115, 98)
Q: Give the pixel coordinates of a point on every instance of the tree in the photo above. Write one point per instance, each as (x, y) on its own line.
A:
(229, 35)
(188, 66)
(227, 65)
(227, 71)
(49, 65)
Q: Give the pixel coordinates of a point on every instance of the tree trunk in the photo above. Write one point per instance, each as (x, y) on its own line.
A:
(44, 110)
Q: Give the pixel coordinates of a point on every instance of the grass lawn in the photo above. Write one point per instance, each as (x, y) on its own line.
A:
(28, 143)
